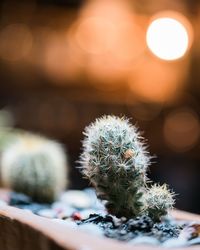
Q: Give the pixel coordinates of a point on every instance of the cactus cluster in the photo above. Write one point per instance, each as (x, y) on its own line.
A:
(35, 166)
(115, 160)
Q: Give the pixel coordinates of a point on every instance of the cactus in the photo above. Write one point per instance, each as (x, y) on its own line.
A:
(35, 166)
(115, 161)
(158, 201)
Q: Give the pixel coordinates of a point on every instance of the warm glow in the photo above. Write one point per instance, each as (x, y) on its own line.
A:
(157, 81)
(110, 40)
(181, 130)
(58, 61)
(95, 35)
(167, 38)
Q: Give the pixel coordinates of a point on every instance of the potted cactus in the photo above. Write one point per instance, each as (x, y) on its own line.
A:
(115, 160)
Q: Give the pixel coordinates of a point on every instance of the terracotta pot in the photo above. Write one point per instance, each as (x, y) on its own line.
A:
(22, 230)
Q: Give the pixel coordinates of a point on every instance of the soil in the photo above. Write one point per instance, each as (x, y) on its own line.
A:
(126, 230)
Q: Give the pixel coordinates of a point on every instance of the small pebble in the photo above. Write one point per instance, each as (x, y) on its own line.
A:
(58, 205)
(19, 199)
(48, 213)
(77, 199)
(76, 216)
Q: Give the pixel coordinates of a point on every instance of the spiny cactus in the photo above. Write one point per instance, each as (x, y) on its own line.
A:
(115, 161)
(158, 201)
(35, 166)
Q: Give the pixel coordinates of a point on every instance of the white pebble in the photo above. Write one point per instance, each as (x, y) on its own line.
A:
(60, 205)
(48, 213)
(76, 198)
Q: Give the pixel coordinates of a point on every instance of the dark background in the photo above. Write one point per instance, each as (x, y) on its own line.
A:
(60, 99)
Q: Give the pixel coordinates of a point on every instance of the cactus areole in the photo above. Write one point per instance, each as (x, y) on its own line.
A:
(115, 160)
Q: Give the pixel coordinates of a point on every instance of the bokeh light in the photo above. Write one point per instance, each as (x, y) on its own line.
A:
(158, 81)
(58, 61)
(182, 130)
(110, 39)
(168, 37)
(92, 35)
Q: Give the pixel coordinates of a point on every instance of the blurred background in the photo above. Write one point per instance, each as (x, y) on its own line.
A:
(65, 62)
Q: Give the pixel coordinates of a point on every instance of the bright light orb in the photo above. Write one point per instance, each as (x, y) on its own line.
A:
(167, 38)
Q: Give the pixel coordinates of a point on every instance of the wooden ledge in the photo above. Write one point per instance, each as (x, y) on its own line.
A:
(22, 230)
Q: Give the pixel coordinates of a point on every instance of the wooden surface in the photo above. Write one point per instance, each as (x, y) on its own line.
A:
(22, 230)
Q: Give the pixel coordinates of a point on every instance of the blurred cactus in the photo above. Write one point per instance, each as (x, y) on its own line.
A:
(35, 166)
(115, 161)
(7, 134)
(158, 201)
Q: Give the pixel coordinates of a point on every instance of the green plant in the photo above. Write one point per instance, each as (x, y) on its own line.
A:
(158, 201)
(35, 166)
(115, 160)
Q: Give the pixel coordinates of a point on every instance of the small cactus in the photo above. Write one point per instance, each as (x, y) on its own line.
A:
(35, 166)
(158, 201)
(115, 161)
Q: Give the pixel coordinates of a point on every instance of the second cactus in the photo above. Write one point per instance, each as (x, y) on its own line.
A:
(35, 166)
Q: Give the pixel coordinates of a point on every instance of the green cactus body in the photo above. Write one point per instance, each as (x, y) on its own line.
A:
(158, 201)
(35, 166)
(115, 161)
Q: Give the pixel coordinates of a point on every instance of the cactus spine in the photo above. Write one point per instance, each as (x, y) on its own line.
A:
(35, 166)
(115, 161)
